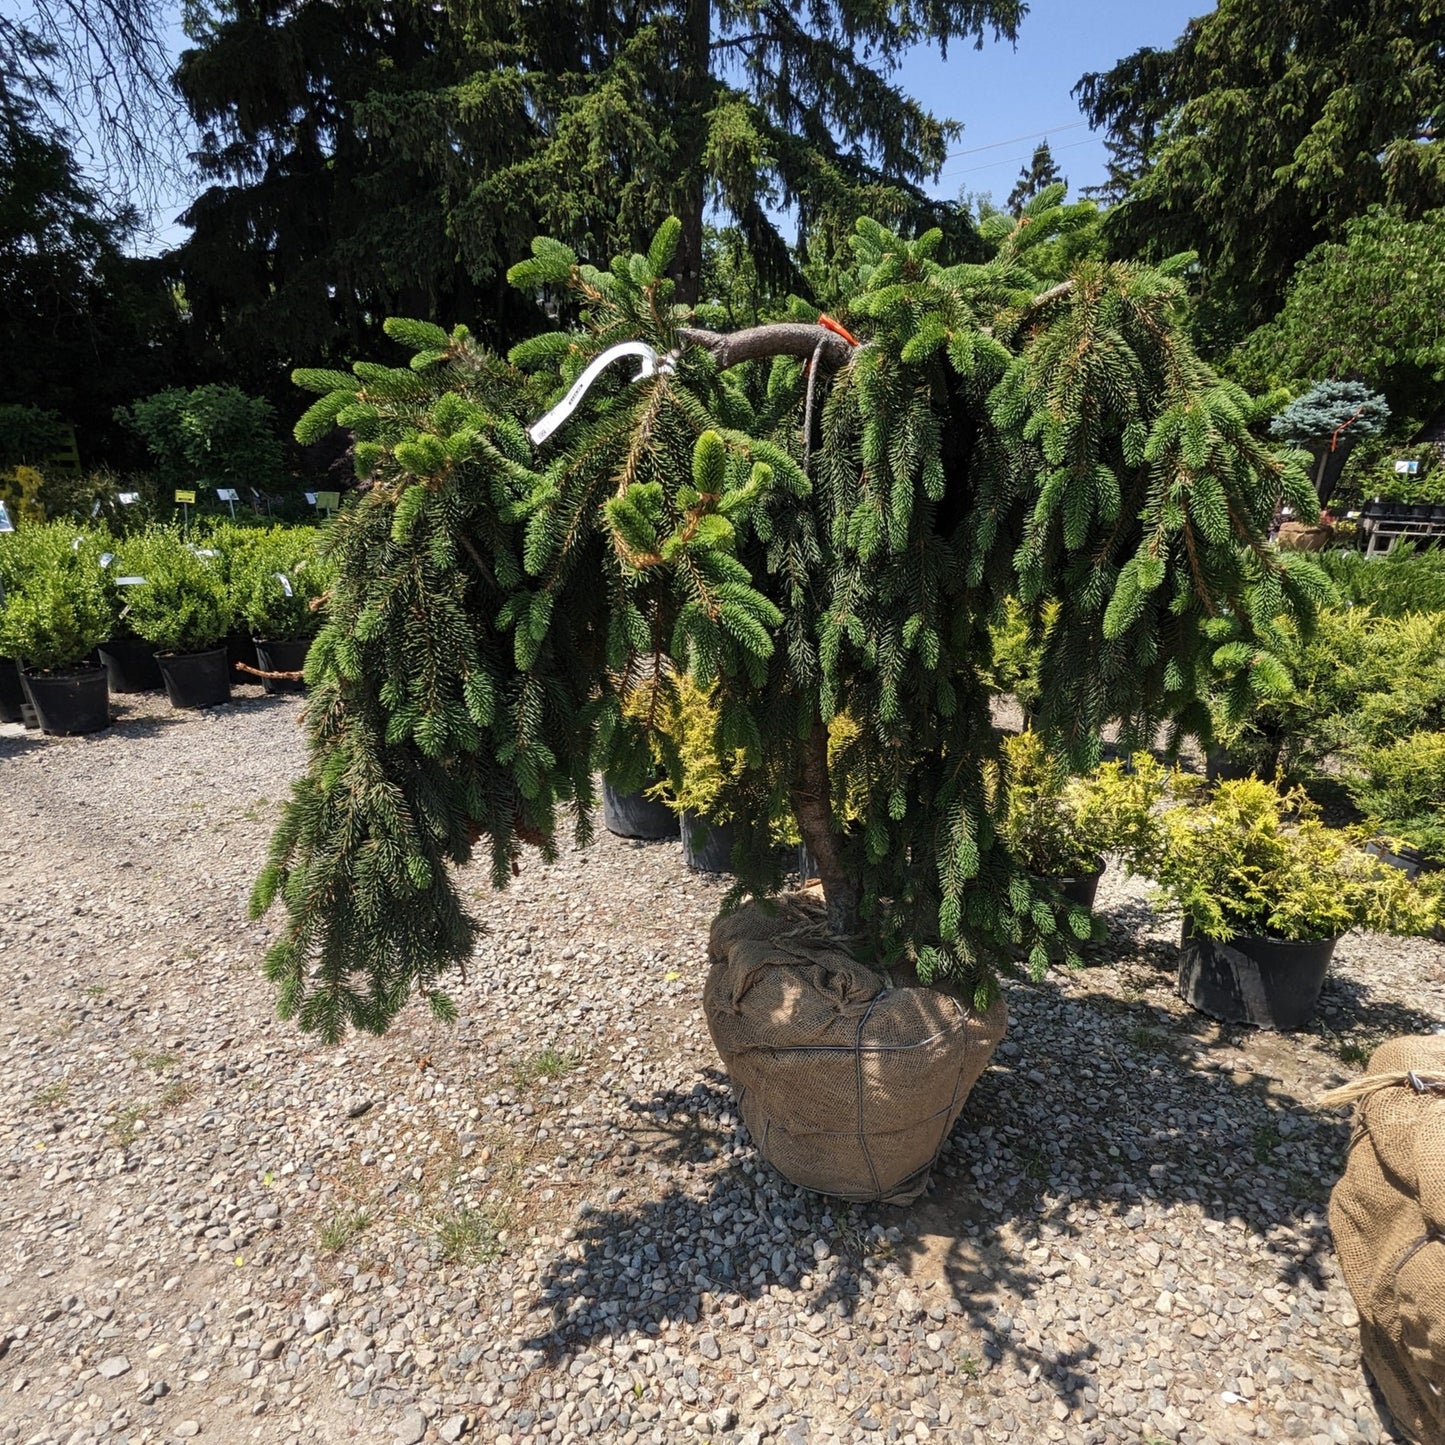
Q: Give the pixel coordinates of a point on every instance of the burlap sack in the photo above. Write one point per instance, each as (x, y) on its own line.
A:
(1388, 1218)
(1297, 537)
(847, 1081)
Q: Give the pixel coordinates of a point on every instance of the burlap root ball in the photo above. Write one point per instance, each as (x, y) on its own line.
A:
(1387, 1215)
(849, 1082)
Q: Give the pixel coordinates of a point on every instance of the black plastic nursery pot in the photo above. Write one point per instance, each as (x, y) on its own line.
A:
(196, 679)
(1078, 887)
(1408, 860)
(73, 701)
(240, 652)
(130, 665)
(12, 691)
(635, 815)
(1221, 767)
(1271, 983)
(707, 847)
(282, 656)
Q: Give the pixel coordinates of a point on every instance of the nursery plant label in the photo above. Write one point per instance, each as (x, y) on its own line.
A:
(127, 499)
(106, 558)
(1407, 469)
(6, 525)
(95, 510)
(311, 498)
(329, 501)
(285, 582)
(227, 494)
(129, 581)
(184, 496)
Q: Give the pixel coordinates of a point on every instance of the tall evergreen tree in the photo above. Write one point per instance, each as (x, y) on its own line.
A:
(810, 528)
(369, 156)
(80, 322)
(1038, 175)
(308, 230)
(1275, 125)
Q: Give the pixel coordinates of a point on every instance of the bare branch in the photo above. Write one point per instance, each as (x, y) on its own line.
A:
(780, 338)
(102, 68)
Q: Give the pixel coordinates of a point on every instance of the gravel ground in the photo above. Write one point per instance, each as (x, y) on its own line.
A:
(546, 1223)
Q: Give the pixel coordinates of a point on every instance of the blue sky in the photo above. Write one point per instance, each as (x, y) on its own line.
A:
(1003, 92)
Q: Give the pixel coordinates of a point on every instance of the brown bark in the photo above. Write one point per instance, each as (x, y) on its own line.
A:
(813, 808)
(780, 338)
(694, 83)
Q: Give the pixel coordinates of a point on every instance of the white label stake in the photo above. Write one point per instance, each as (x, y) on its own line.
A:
(651, 366)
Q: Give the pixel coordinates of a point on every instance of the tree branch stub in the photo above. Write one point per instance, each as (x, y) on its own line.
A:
(779, 338)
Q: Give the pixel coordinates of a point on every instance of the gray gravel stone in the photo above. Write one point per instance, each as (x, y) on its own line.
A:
(557, 1225)
(411, 1428)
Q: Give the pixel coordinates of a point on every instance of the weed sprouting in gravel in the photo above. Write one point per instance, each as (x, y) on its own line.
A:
(1267, 1139)
(1145, 1038)
(549, 1064)
(468, 1236)
(1356, 1051)
(124, 1129)
(343, 1227)
(156, 1063)
(52, 1096)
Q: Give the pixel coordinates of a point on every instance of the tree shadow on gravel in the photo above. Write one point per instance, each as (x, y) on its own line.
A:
(1094, 1107)
(143, 725)
(16, 745)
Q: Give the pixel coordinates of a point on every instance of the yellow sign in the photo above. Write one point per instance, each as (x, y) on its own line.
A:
(328, 501)
(186, 496)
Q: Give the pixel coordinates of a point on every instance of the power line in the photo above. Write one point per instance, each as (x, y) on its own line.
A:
(1013, 140)
(992, 165)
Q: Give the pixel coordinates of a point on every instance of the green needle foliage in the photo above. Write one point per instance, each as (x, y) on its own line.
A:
(1262, 131)
(495, 603)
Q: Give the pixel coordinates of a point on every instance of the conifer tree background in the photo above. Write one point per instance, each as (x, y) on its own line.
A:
(364, 158)
(1263, 130)
(1038, 175)
(810, 529)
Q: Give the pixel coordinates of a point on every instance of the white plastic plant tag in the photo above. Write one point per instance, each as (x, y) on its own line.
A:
(541, 430)
(6, 525)
(205, 551)
(127, 499)
(227, 494)
(285, 582)
(311, 499)
(95, 510)
(129, 581)
(106, 558)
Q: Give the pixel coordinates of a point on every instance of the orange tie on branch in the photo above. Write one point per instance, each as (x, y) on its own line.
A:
(836, 329)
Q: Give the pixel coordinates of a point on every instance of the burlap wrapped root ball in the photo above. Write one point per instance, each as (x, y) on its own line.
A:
(849, 1082)
(1387, 1215)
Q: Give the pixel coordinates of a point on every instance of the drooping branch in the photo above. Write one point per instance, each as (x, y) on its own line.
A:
(778, 338)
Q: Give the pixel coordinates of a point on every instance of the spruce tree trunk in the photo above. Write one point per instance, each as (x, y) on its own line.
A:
(813, 809)
(695, 87)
